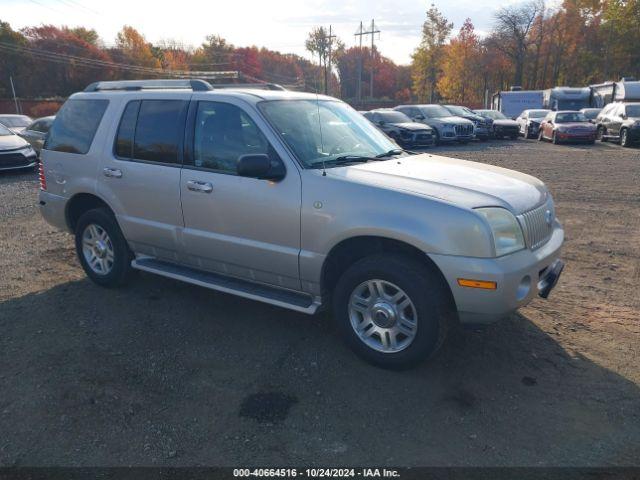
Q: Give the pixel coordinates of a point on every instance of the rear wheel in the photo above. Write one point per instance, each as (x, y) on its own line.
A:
(392, 311)
(102, 249)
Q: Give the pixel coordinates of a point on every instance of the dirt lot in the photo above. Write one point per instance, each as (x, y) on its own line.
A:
(163, 373)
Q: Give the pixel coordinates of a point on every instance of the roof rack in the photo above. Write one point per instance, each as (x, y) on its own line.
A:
(261, 86)
(193, 84)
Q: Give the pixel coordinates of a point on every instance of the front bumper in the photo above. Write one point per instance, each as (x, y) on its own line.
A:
(417, 139)
(482, 132)
(16, 160)
(520, 277)
(576, 137)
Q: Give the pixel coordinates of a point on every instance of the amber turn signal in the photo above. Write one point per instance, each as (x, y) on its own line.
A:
(466, 282)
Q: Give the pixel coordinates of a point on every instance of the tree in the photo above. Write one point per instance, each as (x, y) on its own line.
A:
(511, 33)
(427, 59)
(319, 42)
(461, 68)
(134, 49)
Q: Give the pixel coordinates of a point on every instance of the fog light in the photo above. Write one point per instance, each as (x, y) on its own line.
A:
(523, 288)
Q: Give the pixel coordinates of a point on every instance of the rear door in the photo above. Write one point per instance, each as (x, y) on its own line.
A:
(140, 173)
(242, 227)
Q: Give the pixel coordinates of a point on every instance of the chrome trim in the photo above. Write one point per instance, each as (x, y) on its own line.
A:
(536, 226)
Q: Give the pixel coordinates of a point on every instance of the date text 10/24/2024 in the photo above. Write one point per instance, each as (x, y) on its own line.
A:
(317, 472)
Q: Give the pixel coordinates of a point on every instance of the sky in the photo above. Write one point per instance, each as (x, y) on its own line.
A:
(280, 25)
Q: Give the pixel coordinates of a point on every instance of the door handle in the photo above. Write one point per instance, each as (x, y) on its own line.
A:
(112, 172)
(202, 187)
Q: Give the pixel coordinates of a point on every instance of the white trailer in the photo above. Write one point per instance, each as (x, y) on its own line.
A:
(513, 103)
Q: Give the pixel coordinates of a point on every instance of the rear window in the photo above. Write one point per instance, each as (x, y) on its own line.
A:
(75, 126)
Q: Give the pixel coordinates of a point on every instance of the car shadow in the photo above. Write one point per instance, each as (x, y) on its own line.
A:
(165, 373)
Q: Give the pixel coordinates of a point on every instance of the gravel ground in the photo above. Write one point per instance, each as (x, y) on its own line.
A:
(164, 373)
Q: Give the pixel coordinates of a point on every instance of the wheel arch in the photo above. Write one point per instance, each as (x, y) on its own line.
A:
(350, 250)
(81, 203)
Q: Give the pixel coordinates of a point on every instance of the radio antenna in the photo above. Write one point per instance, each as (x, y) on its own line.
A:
(324, 168)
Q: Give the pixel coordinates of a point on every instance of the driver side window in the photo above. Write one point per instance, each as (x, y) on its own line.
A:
(224, 133)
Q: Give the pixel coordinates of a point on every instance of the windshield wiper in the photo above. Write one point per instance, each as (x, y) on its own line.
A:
(343, 159)
(394, 152)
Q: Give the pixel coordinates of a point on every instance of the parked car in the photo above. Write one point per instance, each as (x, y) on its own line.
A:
(15, 123)
(529, 121)
(296, 200)
(400, 127)
(37, 131)
(15, 152)
(482, 124)
(567, 126)
(446, 127)
(591, 113)
(619, 122)
(502, 126)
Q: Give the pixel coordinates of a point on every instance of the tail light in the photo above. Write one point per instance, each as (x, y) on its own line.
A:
(43, 180)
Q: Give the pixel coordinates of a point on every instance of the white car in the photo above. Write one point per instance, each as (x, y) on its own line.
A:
(529, 122)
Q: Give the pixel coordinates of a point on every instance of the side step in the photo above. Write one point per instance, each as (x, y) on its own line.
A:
(254, 291)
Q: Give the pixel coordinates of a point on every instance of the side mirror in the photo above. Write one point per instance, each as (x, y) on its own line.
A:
(260, 166)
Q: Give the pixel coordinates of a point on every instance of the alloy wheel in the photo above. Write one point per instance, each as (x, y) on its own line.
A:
(97, 249)
(383, 316)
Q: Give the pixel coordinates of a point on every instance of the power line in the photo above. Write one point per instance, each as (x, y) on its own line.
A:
(361, 33)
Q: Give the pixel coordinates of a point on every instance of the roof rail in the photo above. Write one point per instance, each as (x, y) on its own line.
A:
(261, 86)
(194, 84)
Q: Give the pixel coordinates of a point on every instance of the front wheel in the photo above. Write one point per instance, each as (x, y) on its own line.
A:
(624, 138)
(600, 134)
(554, 138)
(102, 249)
(392, 311)
(540, 136)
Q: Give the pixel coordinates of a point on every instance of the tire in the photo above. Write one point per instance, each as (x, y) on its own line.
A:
(436, 137)
(601, 133)
(624, 138)
(540, 136)
(99, 237)
(430, 308)
(554, 139)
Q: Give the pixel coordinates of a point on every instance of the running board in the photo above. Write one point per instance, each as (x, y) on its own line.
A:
(299, 302)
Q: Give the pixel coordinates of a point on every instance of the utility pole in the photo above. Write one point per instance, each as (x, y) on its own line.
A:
(328, 41)
(13, 90)
(360, 33)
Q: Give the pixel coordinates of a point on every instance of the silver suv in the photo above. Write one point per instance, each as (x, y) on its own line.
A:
(295, 200)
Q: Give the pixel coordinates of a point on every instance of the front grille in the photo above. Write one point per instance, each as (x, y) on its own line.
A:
(537, 230)
(424, 137)
(464, 130)
(9, 160)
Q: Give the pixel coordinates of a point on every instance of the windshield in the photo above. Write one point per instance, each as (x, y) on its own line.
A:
(460, 111)
(494, 114)
(434, 111)
(17, 121)
(570, 117)
(4, 131)
(633, 110)
(591, 113)
(538, 113)
(322, 130)
(394, 117)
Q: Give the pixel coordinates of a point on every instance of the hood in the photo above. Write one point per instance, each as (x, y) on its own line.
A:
(464, 183)
(411, 126)
(505, 122)
(17, 129)
(577, 125)
(451, 119)
(11, 142)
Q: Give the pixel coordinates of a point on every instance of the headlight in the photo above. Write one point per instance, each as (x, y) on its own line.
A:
(28, 149)
(507, 233)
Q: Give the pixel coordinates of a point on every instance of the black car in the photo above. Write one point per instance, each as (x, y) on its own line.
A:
(502, 126)
(482, 124)
(400, 127)
(620, 122)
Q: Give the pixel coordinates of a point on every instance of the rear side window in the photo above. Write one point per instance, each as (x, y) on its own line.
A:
(75, 126)
(159, 130)
(126, 131)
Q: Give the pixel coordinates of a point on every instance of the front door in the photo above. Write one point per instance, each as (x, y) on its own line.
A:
(237, 226)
